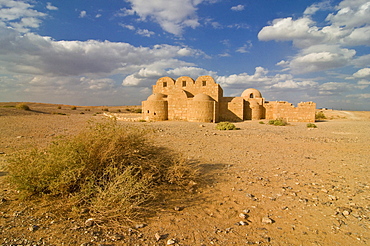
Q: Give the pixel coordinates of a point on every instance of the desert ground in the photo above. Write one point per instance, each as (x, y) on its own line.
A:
(261, 184)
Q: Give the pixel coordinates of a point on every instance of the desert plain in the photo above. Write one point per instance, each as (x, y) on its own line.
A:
(261, 184)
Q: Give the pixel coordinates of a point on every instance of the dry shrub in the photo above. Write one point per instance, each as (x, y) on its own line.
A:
(22, 106)
(225, 126)
(320, 116)
(278, 122)
(110, 169)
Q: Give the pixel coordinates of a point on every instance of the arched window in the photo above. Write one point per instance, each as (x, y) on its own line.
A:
(251, 95)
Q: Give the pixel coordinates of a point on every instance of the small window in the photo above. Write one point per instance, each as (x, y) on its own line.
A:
(251, 95)
(164, 84)
(183, 83)
(204, 83)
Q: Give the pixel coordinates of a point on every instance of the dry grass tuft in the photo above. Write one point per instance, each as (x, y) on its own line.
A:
(110, 169)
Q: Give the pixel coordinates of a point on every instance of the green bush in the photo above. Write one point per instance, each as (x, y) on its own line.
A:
(225, 126)
(105, 109)
(278, 122)
(311, 125)
(73, 108)
(22, 106)
(137, 111)
(320, 116)
(261, 122)
(112, 170)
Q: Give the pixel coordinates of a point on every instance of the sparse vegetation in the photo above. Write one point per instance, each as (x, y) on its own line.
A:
(278, 122)
(137, 111)
(109, 169)
(105, 109)
(59, 113)
(22, 106)
(311, 125)
(261, 122)
(320, 115)
(73, 108)
(59, 107)
(225, 126)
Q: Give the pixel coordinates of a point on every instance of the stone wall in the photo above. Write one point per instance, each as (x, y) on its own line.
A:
(202, 101)
(304, 112)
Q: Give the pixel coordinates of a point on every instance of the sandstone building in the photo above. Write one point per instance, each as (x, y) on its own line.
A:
(202, 100)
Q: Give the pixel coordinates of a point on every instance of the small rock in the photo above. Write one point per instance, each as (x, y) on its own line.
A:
(171, 241)
(246, 211)
(89, 222)
(243, 216)
(33, 228)
(242, 223)
(267, 220)
(178, 208)
(345, 212)
(138, 226)
(157, 236)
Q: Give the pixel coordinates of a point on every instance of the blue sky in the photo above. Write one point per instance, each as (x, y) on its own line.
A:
(111, 52)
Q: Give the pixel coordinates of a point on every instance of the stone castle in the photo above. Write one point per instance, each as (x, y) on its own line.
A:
(202, 100)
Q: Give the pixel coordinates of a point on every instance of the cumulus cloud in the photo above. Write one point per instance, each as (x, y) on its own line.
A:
(245, 48)
(19, 15)
(145, 32)
(173, 16)
(47, 56)
(239, 7)
(82, 14)
(328, 46)
(49, 6)
(362, 73)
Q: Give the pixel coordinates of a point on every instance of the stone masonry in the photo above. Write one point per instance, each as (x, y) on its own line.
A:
(202, 100)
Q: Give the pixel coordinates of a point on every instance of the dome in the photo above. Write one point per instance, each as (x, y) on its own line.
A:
(251, 93)
(202, 97)
(156, 97)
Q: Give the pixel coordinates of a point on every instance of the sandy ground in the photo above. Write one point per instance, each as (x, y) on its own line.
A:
(263, 184)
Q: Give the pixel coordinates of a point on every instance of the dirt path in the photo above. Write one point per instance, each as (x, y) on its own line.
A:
(263, 185)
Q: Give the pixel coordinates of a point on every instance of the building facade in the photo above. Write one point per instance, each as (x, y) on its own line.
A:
(202, 100)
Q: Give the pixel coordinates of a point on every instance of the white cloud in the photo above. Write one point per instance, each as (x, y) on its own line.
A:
(321, 57)
(361, 96)
(49, 6)
(145, 32)
(362, 73)
(291, 84)
(351, 13)
(82, 14)
(239, 7)
(245, 48)
(173, 16)
(331, 88)
(19, 15)
(311, 10)
(36, 55)
(130, 27)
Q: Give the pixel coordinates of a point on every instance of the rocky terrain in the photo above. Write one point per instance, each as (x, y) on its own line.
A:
(261, 184)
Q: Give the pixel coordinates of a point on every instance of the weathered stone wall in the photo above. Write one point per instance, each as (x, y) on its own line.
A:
(202, 100)
(232, 109)
(304, 112)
